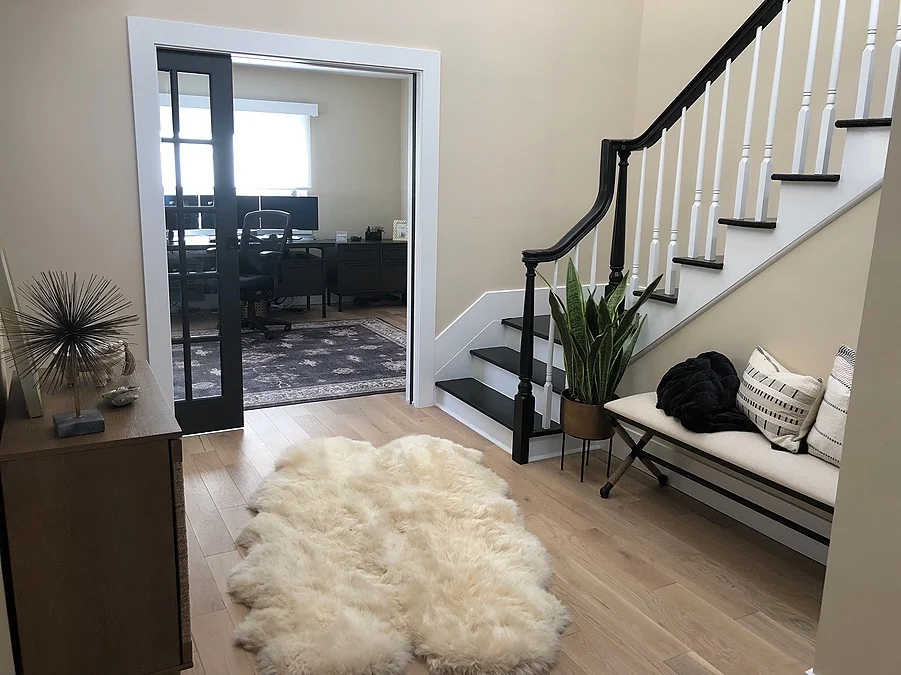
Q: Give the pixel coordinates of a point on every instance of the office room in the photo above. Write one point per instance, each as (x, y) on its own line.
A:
(317, 306)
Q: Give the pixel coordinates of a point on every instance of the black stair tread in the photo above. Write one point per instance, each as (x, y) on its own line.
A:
(491, 403)
(807, 177)
(864, 123)
(660, 295)
(767, 224)
(541, 327)
(701, 261)
(508, 359)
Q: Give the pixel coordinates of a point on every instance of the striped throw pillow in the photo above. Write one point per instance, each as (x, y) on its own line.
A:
(781, 404)
(828, 432)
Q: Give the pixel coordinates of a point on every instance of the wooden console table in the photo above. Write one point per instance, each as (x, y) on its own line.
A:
(93, 541)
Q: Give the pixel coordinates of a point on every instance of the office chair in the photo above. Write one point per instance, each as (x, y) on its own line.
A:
(260, 267)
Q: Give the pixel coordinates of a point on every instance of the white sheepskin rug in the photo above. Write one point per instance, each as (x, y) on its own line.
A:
(360, 557)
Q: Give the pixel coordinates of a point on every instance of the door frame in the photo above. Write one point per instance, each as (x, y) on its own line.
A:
(424, 66)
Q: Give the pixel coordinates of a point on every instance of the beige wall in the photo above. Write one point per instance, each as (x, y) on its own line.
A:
(355, 141)
(800, 309)
(861, 615)
(525, 98)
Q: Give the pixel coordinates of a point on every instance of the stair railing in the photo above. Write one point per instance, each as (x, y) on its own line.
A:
(613, 187)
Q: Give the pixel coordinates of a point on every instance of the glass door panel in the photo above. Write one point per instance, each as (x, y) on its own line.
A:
(196, 150)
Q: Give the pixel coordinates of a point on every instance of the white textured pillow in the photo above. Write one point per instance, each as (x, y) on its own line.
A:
(782, 404)
(828, 432)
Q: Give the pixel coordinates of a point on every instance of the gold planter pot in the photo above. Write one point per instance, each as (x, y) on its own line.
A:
(585, 421)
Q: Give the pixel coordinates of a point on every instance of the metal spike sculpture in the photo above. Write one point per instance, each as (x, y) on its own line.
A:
(66, 331)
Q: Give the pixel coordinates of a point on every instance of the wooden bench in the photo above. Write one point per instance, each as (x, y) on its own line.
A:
(802, 480)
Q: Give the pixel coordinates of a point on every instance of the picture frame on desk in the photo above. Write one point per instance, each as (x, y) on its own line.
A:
(341, 237)
(399, 230)
(27, 378)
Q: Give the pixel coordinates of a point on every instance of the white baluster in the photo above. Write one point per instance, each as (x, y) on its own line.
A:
(669, 284)
(766, 166)
(594, 259)
(575, 256)
(744, 165)
(639, 222)
(698, 205)
(713, 220)
(799, 161)
(867, 65)
(827, 123)
(548, 394)
(654, 256)
(894, 67)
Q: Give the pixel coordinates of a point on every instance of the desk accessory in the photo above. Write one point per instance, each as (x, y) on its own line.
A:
(121, 396)
(9, 309)
(341, 237)
(356, 237)
(374, 233)
(399, 230)
(67, 332)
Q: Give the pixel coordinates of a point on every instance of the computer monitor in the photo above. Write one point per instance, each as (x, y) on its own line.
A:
(304, 210)
(246, 204)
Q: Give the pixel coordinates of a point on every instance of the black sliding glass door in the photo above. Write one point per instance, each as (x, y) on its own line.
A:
(196, 147)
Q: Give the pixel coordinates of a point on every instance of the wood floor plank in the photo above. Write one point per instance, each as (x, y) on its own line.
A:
(217, 480)
(236, 519)
(212, 535)
(192, 445)
(245, 477)
(220, 567)
(286, 425)
(204, 594)
(313, 426)
(724, 643)
(214, 635)
(336, 424)
(197, 669)
(691, 664)
(778, 635)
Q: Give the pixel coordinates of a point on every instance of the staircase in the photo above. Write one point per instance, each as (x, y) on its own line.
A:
(505, 379)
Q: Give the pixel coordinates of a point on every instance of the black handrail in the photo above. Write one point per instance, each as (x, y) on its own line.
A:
(716, 66)
(609, 186)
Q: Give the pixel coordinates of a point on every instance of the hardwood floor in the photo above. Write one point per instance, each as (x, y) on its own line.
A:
(656, 582)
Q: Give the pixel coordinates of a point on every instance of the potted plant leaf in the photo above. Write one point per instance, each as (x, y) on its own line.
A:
(598, 339)
(374, 233)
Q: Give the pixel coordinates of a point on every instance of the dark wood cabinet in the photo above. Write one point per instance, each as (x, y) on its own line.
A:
(93, 540)
(366, 268)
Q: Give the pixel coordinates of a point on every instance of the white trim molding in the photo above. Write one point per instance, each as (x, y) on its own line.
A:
(146, 35)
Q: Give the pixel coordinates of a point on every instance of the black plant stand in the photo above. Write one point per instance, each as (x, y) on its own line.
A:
(585, 455)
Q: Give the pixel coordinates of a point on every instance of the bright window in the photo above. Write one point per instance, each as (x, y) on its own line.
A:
(272, 147)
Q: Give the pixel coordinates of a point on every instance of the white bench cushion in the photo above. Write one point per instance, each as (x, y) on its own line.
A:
(804, 474)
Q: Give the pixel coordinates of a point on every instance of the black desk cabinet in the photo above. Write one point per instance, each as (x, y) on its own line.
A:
(366, 268)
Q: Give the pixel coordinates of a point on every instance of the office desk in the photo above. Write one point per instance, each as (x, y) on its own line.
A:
(353, 268)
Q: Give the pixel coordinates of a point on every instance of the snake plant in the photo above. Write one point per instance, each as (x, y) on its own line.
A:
(598, 336)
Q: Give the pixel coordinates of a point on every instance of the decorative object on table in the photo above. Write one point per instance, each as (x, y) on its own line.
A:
(356, 237)
(399, 230)
(598, 338)
(374, 233)
(116, 359)
(315, 361)
(781, 404)
(827, 434)
(9, 309)
(319, 596)
(68, 332)
(341, 236)
(701, 393)
(121, 396)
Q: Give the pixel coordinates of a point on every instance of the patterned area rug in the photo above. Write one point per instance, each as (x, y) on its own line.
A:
(312, 362)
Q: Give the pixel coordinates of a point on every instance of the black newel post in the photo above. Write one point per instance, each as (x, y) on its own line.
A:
(524, 403)
(618, 241)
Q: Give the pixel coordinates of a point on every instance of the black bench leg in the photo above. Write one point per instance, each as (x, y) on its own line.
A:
(562, 451)
(633, 455)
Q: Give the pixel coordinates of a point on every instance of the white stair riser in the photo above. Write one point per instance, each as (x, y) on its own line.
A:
(513, 340)
(507, 383)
